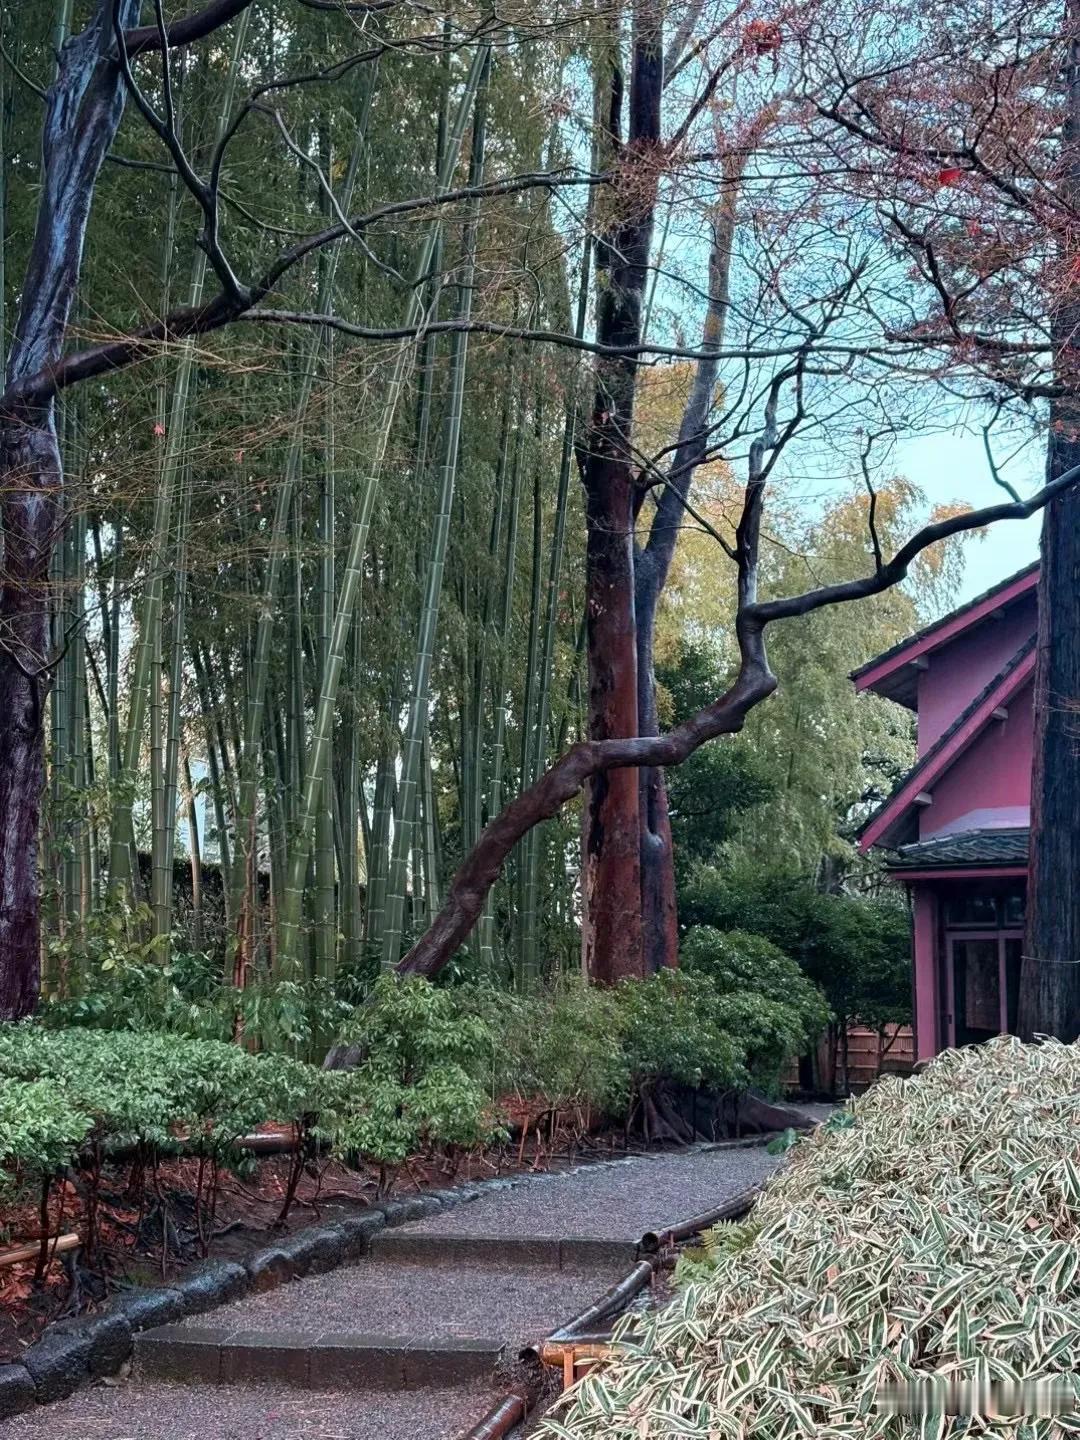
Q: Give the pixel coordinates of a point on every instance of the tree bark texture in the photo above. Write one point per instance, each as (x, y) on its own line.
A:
(610, 843)
(83, 111)
(1050, 976)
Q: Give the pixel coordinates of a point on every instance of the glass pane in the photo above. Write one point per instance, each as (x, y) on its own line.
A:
(978, 992)
(1013, 908)
(1013, 950)
(971, 909)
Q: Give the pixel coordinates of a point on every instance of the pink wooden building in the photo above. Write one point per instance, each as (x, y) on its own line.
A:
(956, 826)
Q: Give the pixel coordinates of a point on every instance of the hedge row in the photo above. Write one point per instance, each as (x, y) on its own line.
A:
(431, 1063)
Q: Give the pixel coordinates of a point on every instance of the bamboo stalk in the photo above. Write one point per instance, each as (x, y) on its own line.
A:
(429, 620)
(195, 851)
(325, 913)
(260, 663)
(20, 1254)
(499, 698)
(120, 870)
(343, 617)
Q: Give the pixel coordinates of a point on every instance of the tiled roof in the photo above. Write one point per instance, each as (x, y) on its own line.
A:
(917, 635)
(925, 762)
(968, 847)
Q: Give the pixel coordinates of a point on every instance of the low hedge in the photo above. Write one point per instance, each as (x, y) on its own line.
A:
(430, 1064)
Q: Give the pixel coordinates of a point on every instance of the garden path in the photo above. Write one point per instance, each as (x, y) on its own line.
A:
(403, 1345)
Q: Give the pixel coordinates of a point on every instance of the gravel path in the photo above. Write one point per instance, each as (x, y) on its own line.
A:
(424, 1302)
(618, 1201)
(605, 1202)
(144, 1411)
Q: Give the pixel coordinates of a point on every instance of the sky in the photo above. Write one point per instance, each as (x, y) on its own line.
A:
(950, 467)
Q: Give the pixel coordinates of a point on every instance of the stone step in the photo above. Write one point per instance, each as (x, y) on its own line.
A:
(420, 1304)
(582, 1252)
(331, 1360)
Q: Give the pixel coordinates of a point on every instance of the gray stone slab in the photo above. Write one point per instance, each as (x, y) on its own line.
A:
(356, 1362)
(281, 1356)
(412, 1247)
(180, 1352)
(577, 1252)
(451, 1362)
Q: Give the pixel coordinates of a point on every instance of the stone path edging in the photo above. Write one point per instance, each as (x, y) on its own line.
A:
(330, 1360)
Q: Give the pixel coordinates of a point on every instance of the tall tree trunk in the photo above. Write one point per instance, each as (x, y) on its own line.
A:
(83, 110)
(1050, 977)
(610, 858)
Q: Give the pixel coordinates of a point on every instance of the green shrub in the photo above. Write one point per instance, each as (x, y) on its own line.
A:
(857, 950)
(133, 991)
(417, 1081)
(63, 1089)
(562, 1045)
(672, 1030)
(741, 964)
(40, 1129)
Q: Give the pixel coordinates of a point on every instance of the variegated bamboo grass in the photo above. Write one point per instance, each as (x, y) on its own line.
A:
(287, 956)
(928, 1233)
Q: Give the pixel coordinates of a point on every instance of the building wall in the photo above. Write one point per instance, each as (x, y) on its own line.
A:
(990, 784)
(959, 671)
(924, 941)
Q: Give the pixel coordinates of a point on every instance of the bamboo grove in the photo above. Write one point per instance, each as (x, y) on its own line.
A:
(302, 595)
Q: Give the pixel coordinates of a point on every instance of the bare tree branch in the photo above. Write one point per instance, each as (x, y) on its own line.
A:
(726, 715)
(145, 38)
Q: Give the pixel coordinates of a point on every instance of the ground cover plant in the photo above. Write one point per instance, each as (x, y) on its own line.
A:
(928, 1230)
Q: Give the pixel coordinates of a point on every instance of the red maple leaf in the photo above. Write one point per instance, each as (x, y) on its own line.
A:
(949, 177)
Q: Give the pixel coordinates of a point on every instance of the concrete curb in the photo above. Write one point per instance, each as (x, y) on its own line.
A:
(571, 1253)
(318, 1361)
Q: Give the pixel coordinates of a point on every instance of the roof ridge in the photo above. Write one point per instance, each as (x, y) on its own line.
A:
(928, 629)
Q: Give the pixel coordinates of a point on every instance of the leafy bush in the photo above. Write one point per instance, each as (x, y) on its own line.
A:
(857, 950)
(40, 1129)
(769, 1035)
(133, 991)
(416, 1082)
(149, 1089)
(743, 965)
(563, 1045)
(930, 1232)
(672, 1030)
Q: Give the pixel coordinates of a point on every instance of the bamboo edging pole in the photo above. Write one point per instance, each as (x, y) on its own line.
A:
(18, 1254)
